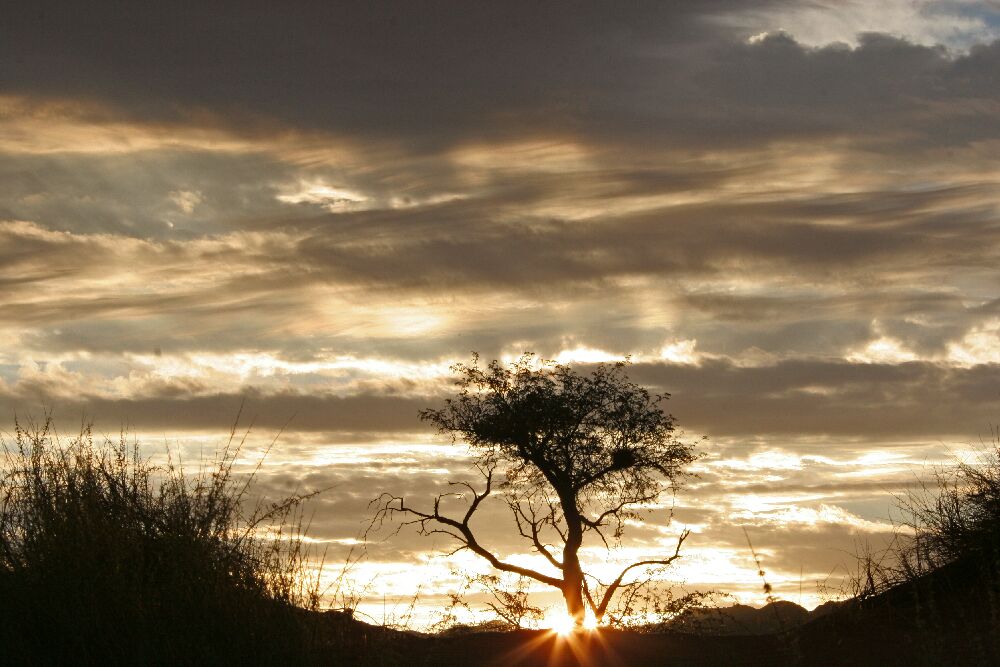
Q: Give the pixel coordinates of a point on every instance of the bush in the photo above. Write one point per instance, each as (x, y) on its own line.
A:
(105, 558)
(952, 521)
(960, 517)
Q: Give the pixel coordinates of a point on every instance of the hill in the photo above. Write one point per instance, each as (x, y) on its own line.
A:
(947, 617)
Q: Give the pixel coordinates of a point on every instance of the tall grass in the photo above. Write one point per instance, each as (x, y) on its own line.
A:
(105, 558)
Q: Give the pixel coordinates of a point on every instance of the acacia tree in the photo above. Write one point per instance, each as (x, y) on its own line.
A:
(579, 454)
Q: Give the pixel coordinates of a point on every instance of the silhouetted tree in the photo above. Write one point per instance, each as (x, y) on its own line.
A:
(580, 455)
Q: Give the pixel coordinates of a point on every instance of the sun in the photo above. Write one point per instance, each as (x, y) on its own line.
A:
(561, 622)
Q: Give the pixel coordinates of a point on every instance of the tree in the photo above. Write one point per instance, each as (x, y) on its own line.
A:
(580, 455)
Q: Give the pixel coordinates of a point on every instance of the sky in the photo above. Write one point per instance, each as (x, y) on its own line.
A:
(786, 212)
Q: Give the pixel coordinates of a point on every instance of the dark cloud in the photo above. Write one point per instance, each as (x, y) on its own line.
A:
(422, 68)
(431, 74)
(698, 239)
(718, 398)
(177, 411)
(835, 397)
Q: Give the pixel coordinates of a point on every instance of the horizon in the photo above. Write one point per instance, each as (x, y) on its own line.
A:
(786, 214)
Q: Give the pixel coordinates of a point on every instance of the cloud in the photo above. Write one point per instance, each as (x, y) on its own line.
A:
(318, 210)
(796, 397)
(659, 74)
(804, 396)
(957, 24)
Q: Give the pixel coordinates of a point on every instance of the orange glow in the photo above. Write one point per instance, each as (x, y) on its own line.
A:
(560, 622)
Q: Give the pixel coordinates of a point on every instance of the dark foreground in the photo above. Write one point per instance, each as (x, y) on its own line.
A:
(105, 560)
(949, 618)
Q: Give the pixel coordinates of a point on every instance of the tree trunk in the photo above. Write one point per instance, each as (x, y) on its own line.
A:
(573, 590)
(572, 572)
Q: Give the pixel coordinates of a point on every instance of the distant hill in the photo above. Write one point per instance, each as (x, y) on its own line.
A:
(776, 617)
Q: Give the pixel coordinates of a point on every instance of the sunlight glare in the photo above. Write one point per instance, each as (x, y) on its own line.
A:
(560, 622)
(680, 352)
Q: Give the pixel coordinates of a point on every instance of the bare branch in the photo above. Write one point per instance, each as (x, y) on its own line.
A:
(389, 506)
(617, 509)
(530, 528)
(612, 588)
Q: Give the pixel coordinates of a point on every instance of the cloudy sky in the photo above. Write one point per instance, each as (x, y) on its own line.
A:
(787, 213)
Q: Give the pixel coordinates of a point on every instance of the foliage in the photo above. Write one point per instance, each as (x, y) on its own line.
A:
(598, 437)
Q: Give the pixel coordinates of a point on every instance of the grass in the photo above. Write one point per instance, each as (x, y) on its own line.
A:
(107, 559)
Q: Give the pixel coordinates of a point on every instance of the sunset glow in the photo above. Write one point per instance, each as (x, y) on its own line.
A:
(785, 216)
(559, 622)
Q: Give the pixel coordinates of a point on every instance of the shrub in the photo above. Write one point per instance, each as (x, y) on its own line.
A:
(951, 520)
(105, 558)
(960, 515)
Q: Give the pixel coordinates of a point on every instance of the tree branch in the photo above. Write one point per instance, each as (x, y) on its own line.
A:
(458, 530)
(530, 528)
(612, 588)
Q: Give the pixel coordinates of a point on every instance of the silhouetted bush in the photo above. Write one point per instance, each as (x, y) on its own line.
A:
(106, 559)
(959, 516)
(955, 517)
(935, 590)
